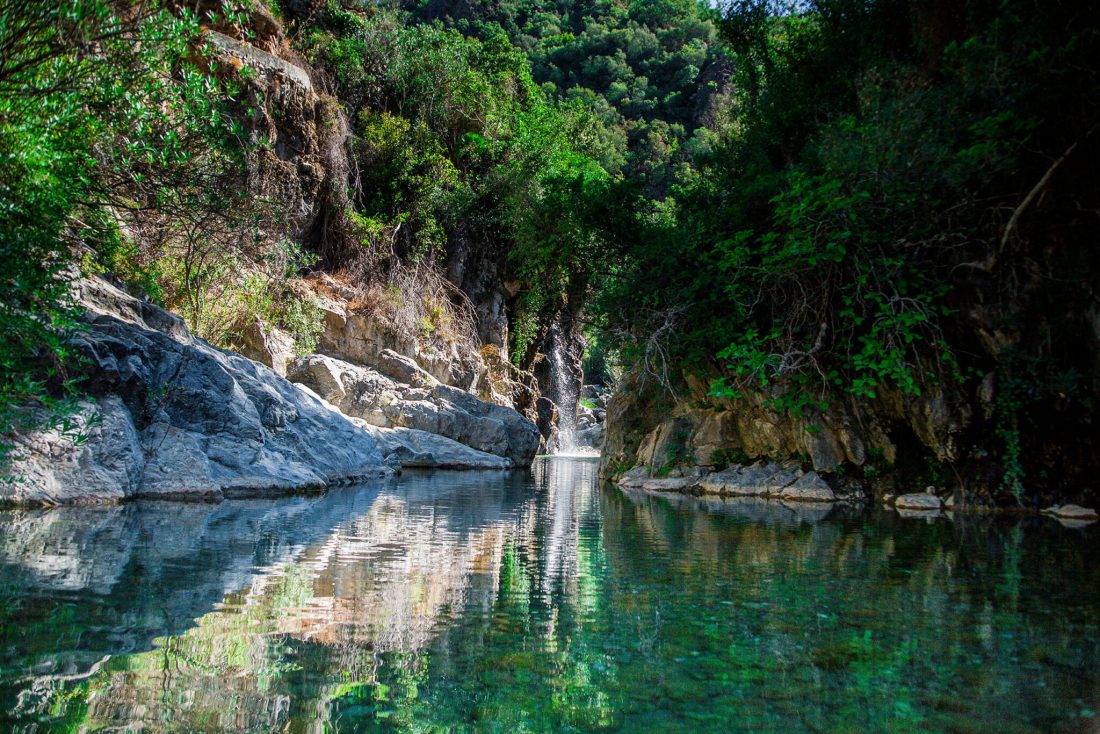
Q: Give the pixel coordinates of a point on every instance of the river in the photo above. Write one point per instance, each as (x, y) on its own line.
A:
(542, 601)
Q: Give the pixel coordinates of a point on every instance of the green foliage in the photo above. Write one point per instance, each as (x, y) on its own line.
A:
(724, 458)
(85, 136)
(601, 363)
(455, 143)
(827, 240)
(303, 319)
(409, 178)
(637, 67)
(823, 265)
(220, 290)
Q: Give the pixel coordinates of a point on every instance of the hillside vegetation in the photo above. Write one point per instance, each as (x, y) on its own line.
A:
(828, 208)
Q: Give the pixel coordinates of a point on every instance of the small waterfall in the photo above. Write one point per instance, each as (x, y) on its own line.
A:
(565, 392)
(566, 395)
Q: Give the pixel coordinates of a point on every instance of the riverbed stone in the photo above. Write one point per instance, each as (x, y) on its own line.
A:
(918, 501)
(808, 488)
(756, 480)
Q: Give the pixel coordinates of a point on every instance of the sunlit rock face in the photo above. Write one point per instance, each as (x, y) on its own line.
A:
(178, 418)
(404, 396)
(357, 334)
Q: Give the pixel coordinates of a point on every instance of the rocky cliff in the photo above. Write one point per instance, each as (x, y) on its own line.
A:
(897, 442)
(938, 443)
(411, 364)
(658, 430)
(170, 416)
(453, 318)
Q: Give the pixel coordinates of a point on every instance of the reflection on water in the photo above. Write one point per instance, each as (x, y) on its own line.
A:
(541, 602)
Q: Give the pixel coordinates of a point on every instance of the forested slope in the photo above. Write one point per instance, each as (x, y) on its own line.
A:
(886, 259)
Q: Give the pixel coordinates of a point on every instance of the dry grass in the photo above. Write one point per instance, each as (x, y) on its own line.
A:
(410, 299)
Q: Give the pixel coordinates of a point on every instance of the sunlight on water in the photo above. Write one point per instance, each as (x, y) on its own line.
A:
(541, 602)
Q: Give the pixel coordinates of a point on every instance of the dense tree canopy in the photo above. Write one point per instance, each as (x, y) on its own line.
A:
(896, 182)
(825, 200)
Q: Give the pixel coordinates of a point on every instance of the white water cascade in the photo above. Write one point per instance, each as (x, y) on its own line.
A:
(566, 395)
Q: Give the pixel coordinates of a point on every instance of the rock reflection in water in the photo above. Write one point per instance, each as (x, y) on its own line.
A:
(540, 602)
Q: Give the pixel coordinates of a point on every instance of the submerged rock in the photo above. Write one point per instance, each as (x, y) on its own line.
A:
(918, 501)
(175, 417)
(1072, 516)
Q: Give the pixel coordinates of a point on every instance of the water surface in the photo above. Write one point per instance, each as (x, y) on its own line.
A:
(518, 602)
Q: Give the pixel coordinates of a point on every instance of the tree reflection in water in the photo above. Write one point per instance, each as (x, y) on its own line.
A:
(540, 602)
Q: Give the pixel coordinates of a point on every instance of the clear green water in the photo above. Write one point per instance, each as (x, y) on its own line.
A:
(541, 602)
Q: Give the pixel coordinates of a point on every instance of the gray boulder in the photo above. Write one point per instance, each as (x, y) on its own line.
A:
(590, 438)
(808, 488)
(757, 480)
(178, 418)
(918, 501)
(357, 391)
(521, 435)
(106, 465)
(408, 397)
(413, 449)
(404, 369)
(266, 345)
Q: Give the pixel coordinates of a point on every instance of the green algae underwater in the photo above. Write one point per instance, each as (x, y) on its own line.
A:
(542, 602)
